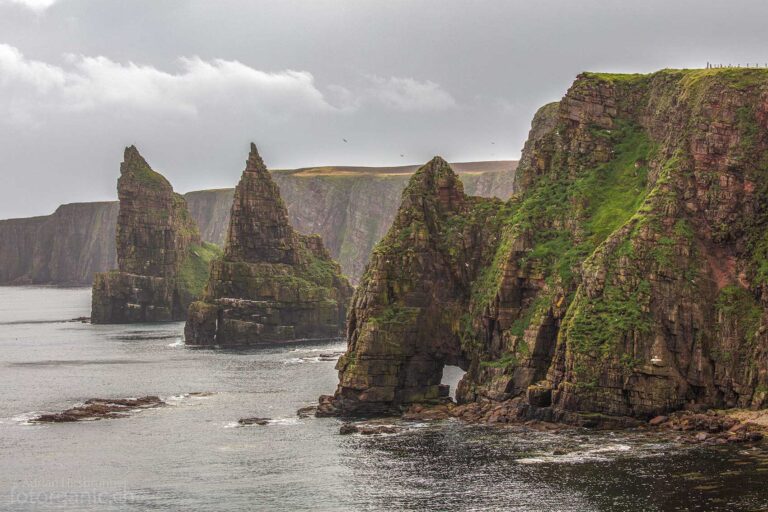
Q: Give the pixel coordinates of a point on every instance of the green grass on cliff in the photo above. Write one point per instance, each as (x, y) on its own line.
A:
(193, 274)
(616, 77)
(567, 219)
(736, 77)
(738, 306)
(600, 201)
(144, 174)
(597, 325)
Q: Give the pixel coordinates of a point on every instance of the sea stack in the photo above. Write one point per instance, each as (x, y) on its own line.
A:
(407, 314)
(162, 263)
(273, 284)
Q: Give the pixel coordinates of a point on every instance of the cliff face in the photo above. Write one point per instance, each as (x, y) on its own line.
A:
(272, 284)
(627, 277)
(351, 211)
(162, 262)
(210, 209)
(67, 247)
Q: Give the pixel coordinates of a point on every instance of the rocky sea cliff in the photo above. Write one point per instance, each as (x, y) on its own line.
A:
(625, 279)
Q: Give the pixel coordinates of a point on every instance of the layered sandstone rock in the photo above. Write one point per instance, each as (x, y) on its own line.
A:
(162, 262)
(272, 284)
(627, 277)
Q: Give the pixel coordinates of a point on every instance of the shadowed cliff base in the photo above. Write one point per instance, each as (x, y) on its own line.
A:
(625, 279)
(162, 263)
(272, 283)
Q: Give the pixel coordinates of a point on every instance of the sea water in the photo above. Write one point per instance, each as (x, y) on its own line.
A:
(192, 455)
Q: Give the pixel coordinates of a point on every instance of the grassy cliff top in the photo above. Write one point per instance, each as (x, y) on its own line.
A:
(738, 77)
(403, 170)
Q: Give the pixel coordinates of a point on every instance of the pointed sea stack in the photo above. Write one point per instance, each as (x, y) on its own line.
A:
(273, 284)
(162, 263)
(405, 318)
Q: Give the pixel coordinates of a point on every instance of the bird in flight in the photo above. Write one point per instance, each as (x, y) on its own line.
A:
(345, 140)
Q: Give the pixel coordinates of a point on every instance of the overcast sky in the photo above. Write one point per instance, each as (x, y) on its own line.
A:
(191, 82)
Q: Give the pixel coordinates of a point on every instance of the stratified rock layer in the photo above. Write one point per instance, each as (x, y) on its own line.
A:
(627, 277)
(162, 262)
(272, 284)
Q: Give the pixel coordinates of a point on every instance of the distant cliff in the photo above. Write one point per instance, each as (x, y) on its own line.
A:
(66, 247)
(350, 207)
(210, 208)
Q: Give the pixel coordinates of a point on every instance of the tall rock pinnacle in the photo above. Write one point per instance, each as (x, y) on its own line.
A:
(273, 284)
(157, 241)
(259, 230)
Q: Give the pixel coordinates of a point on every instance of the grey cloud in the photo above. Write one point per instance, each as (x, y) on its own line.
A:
(191, 82)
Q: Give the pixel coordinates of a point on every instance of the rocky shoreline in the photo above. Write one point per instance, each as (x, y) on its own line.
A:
(712, 427)
(708, 427)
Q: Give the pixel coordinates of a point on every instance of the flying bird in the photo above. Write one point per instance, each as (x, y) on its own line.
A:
(345, 140)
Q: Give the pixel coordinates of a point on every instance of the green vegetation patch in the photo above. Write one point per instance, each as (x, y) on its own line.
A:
(396, 314)
(737, 304)
(194, 272)
(507, 362)
(597, 326)
(143, 173)
(601, 200)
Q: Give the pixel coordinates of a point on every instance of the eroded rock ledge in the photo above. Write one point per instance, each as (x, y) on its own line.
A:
(627, 277)
(273, 284)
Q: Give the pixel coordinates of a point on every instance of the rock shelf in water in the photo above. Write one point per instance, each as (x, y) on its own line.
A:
(100, 408)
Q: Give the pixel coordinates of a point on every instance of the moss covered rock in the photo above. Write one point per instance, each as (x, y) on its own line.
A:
(162, 263)
(626, 276)
(272, 284)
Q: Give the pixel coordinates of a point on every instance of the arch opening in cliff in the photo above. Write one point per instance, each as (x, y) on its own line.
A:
(452, 375)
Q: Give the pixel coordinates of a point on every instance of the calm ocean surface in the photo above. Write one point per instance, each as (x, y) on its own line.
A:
(192, 456)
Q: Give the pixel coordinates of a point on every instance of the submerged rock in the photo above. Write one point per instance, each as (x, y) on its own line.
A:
(626, 278)
(272, 284)
(100, 408)
(368, 430)
(306, 412)
(254, 421)
(162, 263)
